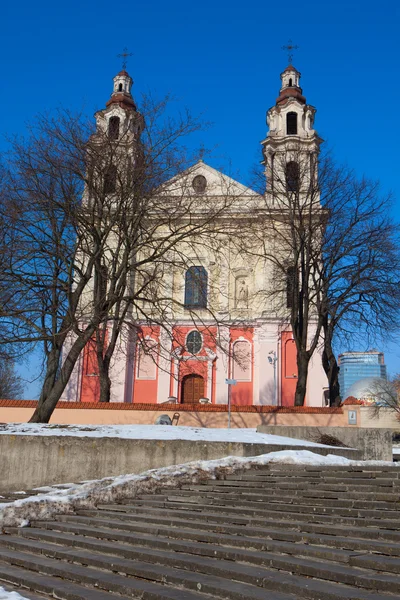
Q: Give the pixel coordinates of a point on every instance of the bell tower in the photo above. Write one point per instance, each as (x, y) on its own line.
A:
(291, 148)
(120, 120)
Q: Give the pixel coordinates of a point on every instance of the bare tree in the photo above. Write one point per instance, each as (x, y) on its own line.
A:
(359, 274)
(92, 229)
(386, 396)
(11, 384)
(335, 258)
(287, 235)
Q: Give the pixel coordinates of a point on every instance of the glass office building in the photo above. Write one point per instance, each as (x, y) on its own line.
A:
(358, 365)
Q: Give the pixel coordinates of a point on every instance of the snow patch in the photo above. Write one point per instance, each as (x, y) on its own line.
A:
(4, 595)
(155, 432)
(61, 500)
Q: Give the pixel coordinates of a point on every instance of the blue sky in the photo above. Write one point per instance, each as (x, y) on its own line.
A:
(222, 59)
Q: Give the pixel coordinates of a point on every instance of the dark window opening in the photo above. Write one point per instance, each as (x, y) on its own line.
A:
(113, 128)
(196, 287)
(291, 123)
(290, 82)
(120, 87)
(110, 180)
(292, 176)
(290, 286)
(194, 342)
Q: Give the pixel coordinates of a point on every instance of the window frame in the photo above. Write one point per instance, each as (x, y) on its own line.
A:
(196, 287)
(194, 331)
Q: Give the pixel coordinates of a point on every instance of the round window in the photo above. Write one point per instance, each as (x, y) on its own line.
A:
(194, 342)
(199, 184)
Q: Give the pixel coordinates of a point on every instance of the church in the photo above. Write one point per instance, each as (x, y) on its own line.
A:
(229, 335)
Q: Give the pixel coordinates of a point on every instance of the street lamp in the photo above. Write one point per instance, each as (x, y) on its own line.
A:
(272, 359)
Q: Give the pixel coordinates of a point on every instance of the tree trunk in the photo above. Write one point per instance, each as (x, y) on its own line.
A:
(331, 369)
(46, 405)
(104, 377)
(302, 373)
(52, 364)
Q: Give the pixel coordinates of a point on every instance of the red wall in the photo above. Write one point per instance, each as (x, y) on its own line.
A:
(288, 369)
(145, 390)
(242, 392)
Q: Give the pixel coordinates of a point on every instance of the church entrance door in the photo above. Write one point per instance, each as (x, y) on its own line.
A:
(192, 389)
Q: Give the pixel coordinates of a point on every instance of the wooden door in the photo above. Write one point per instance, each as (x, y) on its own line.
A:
(192, 389)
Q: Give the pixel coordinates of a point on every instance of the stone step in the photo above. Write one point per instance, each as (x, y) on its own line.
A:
(376, 562)
(385, 502)
(374, 482)
(239, 517)
(271, 491)
(260, 525)
(307, 508)
(105, 531)
(111, 581)
(327, 471)
(172, 553)
(272, 529)
(288, 511)
(52, 587)
(22, 592)
(332, 581)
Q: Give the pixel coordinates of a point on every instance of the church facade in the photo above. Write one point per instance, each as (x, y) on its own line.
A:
(226, 325)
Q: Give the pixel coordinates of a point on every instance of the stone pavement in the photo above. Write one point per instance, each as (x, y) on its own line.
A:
(284, 532)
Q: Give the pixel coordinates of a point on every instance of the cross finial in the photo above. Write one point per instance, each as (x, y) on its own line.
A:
(202, 151)
(289, 47)
(124, 55)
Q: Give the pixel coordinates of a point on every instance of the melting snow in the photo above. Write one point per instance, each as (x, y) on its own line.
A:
(113, 489)
(155, 432)
(4, 595)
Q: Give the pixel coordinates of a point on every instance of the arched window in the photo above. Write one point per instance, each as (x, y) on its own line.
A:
(147, 359)
(292, 176)
(290, 286)
(120, 87)
(291, 123)
(290, 82)
(113, 128)
(242, 361)
(110, 180)
(194, 342)
(196, 287)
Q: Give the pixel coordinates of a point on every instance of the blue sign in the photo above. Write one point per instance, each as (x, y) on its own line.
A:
(231, 381)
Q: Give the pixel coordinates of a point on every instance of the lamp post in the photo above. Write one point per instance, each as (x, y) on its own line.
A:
(272, 359)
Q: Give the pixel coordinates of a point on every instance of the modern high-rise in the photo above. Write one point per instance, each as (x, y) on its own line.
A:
(358, 365)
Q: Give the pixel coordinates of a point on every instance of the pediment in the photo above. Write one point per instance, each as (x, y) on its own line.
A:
(203, 180)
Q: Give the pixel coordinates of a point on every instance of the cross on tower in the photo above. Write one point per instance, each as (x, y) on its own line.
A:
(289, 47)
(124, 55)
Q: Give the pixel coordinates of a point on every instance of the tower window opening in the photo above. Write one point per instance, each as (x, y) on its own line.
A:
(290, 286)
(290, 82)
(292, 176)
(110, 180)
(113, 128)
(120, 87)
(291, 123)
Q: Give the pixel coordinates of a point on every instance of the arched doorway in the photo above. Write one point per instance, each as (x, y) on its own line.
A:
(192, 389)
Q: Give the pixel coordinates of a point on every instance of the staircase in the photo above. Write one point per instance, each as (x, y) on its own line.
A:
(284, 532)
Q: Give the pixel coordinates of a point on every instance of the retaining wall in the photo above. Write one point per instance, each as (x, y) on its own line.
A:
(373, 443)
(28, 461)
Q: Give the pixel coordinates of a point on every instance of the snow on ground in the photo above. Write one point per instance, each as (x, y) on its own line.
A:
(155, 432)
(65, 499)
(4, 595)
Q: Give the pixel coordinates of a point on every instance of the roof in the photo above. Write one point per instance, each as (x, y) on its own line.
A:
(291, 68)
